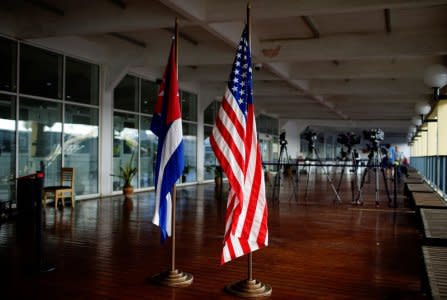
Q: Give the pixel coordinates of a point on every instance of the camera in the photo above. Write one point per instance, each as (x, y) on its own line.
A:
(282, 139)
(310, 136)
(348, 139)
(374, 135)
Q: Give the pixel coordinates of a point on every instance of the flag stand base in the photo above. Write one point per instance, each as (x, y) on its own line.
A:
(249, 288)
(174, 278)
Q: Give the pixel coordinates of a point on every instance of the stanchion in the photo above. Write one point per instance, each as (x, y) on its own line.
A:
(29, 201)
(395, 185)
(42, 265)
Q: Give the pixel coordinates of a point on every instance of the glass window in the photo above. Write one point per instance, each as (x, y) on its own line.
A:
(190, 148)
(330, 147)
(81, 147)
(125, 94)
(40, 128)
(148, 153)
(266, 124)
(210, 159)
(189, 106)
(8, 65)
(40, 72)
(7, 146)
(209, 115)
(125, 143)
(82, 81)
(149, 91)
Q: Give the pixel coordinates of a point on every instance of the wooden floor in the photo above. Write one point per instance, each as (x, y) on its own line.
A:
(318, 249)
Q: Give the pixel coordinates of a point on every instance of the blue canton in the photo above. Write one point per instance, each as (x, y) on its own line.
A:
(240, 83)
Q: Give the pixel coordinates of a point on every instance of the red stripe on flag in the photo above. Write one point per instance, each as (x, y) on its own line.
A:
(233, 117)
(263, 230)
(244, 245)
(253, 202)
(230, 248)
(230, 141)
(249, 134)
(226, 167)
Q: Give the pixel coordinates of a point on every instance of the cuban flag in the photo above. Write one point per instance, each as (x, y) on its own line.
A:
(167, 126)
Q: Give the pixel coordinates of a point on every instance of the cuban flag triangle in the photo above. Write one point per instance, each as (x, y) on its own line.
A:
(167, 126)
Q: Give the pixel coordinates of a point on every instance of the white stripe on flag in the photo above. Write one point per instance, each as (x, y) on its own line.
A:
(172, 141)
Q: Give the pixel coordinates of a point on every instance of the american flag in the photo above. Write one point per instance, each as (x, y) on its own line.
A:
(236, 147)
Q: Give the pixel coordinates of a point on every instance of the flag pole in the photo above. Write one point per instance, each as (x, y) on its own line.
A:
(250, 255)
(174, 277)
(249, 287)
(174, 190)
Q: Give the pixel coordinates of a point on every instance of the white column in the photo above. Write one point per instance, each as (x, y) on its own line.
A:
(106, 143)
(200, 135)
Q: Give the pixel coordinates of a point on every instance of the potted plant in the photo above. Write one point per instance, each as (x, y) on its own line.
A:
(127, 173)
(185, 173)
(218, 175)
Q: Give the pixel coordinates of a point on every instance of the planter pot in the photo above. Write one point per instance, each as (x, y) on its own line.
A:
(218, 183)
(218, 187)
(128, 191)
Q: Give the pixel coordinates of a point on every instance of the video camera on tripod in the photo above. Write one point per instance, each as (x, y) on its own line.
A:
(375, 136)
(348, 139)
(282, 139)
(310, 137)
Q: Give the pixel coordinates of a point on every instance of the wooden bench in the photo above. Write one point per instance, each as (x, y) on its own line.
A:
(435, 226)
(428, 200)
(414, 180)
(435, 260)
(419, 188)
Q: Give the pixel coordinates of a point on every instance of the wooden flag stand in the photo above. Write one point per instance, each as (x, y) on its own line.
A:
(249, 287)
(174, 277)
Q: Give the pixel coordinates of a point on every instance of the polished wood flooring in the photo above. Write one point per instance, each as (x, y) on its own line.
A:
(319, 249)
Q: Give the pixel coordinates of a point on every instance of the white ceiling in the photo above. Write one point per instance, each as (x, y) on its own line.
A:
(351, 62)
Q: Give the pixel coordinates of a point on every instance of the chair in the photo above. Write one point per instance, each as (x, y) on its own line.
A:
(60, 192)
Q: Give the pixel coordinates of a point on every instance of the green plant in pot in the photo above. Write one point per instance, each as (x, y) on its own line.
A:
(127, 173)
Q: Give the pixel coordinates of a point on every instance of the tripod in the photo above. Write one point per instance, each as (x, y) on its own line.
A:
(374, 160)
(348, 153)
(354, 181)
(313, 149)
(283, 160)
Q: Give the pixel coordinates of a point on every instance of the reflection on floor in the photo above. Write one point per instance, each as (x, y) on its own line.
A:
(107, 248)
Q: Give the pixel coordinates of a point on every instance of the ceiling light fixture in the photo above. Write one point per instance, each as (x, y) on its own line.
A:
(436, 77)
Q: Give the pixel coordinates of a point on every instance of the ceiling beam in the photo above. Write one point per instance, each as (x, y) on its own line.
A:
(312, 26)
(231, 10)
(385, 68)
(369, 87)
(48, 7)
(219, 73)
(121, 4)
(387, 16)
(354, 46)
(92, 17)
(128, 39)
